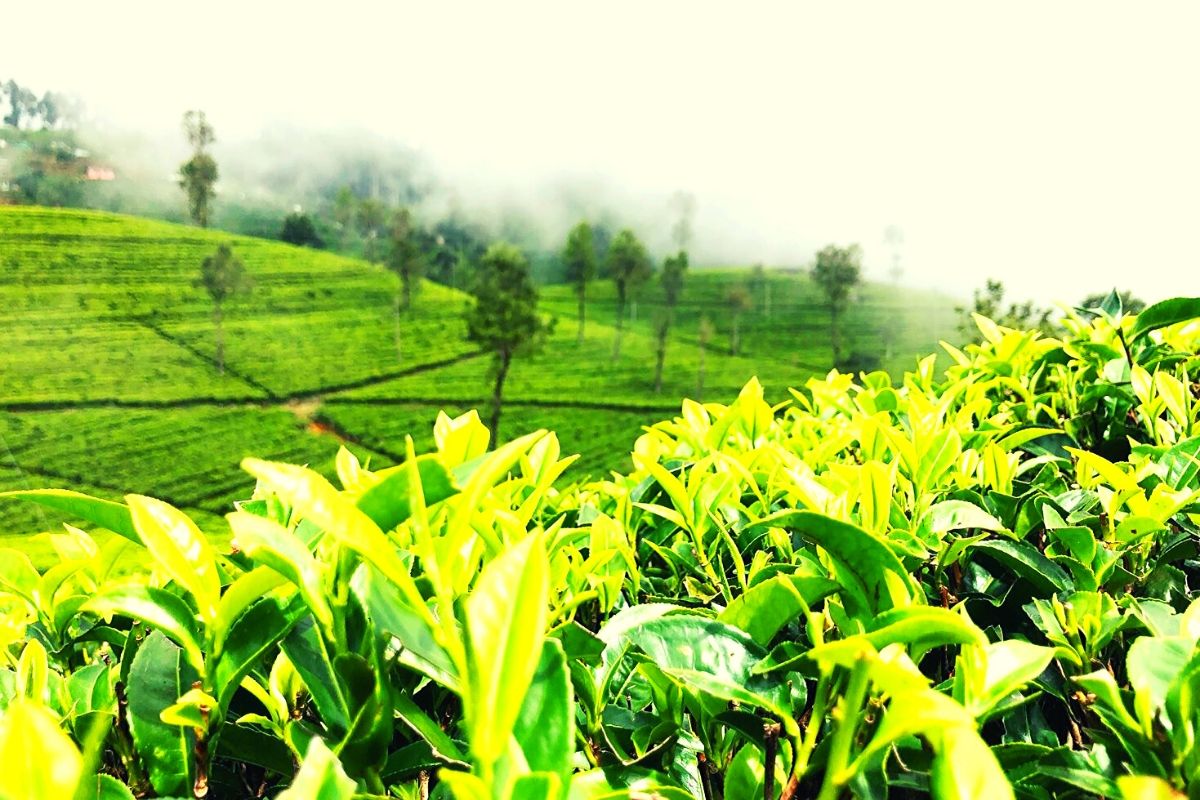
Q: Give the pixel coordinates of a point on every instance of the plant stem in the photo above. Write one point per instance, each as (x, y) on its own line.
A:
(771, 748)
(846, 714)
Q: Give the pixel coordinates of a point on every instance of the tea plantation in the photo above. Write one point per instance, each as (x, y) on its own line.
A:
(973, 583)
(107, 374)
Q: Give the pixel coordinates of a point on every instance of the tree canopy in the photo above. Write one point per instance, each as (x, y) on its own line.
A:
(579, 257)
(298, 228)
(404, 256)
(198, 175)
(628, 264)
(504, 318)
(837, 271)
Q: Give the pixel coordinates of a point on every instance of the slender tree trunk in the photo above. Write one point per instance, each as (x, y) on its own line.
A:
(582, 309)
(396, 320)
(217, 319)
(700, 374)
(620, 324)
(505, 359)
(407, 281)
(661, 357)
(734, 337)
(835, 339)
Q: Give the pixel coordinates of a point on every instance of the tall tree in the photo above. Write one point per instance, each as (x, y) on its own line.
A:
(198, 175)
(704, 335)
(222, 275)
(22, 104)
(345, 208)
(760, 284)
(837, 271)
(49, 108)
(629, 267)
(404, 254)
(739, 302)
(580, 259)
(673, 272)
(504, 318)
(406, 260)
(685, 209)
(372, 216)
(602, 236)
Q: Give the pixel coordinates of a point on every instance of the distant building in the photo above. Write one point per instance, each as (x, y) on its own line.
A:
(97, 173)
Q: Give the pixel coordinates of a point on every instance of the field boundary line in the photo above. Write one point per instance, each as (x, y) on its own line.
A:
(340, 432)
(162, 334)
(514, 402)
(318, 393)
(360, 383)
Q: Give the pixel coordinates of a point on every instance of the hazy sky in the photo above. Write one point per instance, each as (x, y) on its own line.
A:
(1054, 145)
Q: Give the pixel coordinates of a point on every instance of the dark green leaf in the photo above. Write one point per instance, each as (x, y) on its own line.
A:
(768, 606)
(387, 502)
(158, 677)
(255, 634)
(871, 573)
(306, 650)
(1025, 562)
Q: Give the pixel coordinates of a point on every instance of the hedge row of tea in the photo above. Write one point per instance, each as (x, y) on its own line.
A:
(978, 584)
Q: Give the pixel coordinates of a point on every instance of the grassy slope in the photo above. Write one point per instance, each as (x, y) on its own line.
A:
(99, 309)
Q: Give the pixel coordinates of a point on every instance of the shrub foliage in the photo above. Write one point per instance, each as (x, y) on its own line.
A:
(978, 584)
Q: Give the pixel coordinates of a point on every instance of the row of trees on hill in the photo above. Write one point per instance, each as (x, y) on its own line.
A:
(837, 271)
(503, 318)
(25, 110)
(40, 158)
(449, 252)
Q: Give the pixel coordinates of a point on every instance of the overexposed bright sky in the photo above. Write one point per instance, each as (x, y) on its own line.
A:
(1053, 145)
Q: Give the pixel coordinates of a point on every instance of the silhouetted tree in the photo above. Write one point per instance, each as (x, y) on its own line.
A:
(406, 260)
(222, 275)
(22, 103)
(198, 175)
(371, 217)
(629, 266)
(404, 253)
(345, 213)
(298, 229)
(504, 318)
(760, 284)
(673, 272)
(579, 256)
(989, 302)
(704, 335)
(739, 302)
(837, 271)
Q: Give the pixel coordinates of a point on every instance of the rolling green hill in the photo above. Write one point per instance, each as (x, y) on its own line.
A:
(107, 377)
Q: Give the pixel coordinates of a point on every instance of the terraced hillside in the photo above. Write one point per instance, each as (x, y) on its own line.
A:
(787, 321)
(107, 378)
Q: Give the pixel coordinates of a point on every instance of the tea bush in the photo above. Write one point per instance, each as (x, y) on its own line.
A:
(978, 584)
